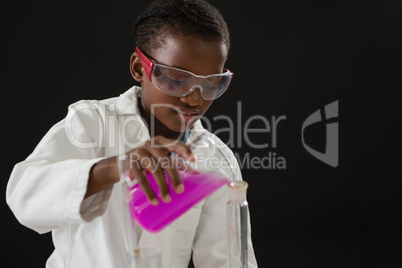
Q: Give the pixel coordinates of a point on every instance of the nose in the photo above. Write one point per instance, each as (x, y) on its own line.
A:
(194, 98)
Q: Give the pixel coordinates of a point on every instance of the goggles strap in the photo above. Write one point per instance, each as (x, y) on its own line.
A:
(147, 64)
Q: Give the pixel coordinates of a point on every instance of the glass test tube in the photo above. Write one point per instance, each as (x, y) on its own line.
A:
(237, 213)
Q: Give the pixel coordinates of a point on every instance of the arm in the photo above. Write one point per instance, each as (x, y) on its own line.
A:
(46, 190)
(67, 179)
(102, 175)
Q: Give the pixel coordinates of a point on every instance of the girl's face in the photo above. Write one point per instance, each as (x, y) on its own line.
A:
(188, 53)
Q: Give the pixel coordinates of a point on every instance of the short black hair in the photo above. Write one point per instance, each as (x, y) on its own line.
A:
(164, 18)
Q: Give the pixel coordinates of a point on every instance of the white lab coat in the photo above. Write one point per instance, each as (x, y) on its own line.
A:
(46, 193)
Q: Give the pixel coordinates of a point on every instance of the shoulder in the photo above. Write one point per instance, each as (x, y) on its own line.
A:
(94, 105)
(125, 103)
(89, 116)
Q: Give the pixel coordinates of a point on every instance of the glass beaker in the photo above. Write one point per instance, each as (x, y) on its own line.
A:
(145, 257)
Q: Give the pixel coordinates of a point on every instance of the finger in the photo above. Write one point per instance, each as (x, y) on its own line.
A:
(138, 173)
(149, 163)
(165, 163)
(144, 184)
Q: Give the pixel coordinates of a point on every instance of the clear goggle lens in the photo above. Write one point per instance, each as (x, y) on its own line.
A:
(179, 83)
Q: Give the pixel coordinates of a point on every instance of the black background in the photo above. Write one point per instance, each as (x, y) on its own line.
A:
(289, 58)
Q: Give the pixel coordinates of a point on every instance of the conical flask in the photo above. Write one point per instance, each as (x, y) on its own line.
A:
(237, 213)
(199, 179)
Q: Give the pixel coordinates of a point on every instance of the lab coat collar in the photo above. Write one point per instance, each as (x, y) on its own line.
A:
(127, 102)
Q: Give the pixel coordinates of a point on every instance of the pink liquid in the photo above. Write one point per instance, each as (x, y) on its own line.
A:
(197, 186)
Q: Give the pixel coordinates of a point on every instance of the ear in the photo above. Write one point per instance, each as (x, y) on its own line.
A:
(136, 69)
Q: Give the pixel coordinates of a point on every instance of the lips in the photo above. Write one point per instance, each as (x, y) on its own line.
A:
(188, 112)
(187, 115)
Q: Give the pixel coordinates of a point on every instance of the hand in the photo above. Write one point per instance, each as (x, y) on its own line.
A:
(153, 156)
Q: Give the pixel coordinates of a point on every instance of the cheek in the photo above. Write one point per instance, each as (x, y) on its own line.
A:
(147, 87)
(162, 102)
(151, 94)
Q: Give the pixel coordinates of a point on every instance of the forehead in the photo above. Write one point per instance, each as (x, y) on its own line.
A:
(193, 54)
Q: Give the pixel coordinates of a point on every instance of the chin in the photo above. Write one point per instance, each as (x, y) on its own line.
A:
(180, 126)
(180, 129)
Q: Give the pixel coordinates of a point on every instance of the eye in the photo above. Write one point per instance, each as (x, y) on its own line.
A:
(210, 88)
(211, 85)
(176, 82)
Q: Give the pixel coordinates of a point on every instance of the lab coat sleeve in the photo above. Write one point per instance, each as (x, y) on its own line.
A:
(210, 243)
(46, 190)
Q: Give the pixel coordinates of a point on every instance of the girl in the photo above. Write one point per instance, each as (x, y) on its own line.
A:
(70, 184)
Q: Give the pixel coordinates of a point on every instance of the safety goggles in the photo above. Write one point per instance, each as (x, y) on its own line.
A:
(180, 83)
